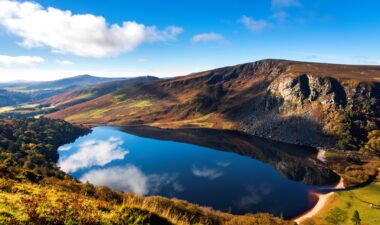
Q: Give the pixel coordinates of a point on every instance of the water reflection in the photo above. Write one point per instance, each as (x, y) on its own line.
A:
(93, 153)
(255, 194)
(131, 179)
(298, 163)
(209, 173)
(65, 148)
(199, 165)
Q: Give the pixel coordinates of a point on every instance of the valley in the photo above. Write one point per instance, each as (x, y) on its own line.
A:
(277, 112)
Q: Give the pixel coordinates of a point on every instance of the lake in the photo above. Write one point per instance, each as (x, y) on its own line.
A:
(226, 170)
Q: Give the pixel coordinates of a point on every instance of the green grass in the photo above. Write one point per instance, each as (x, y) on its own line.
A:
(359, 199)
(141, 104)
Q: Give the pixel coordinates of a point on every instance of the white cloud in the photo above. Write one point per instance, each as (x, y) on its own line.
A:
(21, 60)
(206, 37)
(64, 62)
(78, 34)
(207, 172)
(132, 179)
(285, 3)
(93, 153)
(253, 25)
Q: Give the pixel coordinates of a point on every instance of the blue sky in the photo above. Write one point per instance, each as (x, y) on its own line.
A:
(45, 40)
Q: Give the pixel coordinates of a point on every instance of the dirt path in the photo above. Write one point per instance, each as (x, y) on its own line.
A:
(322, 199)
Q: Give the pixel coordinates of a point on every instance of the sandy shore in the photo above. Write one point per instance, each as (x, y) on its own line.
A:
(322, 199)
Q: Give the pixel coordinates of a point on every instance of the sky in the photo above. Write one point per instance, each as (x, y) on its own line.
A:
(47, 40)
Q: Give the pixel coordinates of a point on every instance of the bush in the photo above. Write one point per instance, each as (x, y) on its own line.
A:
(106, 194)
(336, 216)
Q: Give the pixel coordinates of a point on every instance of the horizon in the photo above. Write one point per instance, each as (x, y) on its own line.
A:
(179, 75)
(43, 40)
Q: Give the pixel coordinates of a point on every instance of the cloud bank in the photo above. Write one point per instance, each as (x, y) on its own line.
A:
(84, 35)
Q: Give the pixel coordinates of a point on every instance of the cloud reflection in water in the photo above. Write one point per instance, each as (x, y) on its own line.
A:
(131, 179)
(65, 148)
(255, 196)
(94, 153)
(208, 173)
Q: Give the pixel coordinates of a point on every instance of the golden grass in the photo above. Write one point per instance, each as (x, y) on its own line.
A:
(19, 199)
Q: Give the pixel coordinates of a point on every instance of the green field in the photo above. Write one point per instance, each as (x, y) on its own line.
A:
(366, 200)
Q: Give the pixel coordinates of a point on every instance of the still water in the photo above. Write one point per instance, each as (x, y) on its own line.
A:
(226, 171)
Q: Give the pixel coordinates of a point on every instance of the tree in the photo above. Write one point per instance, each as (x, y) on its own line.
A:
(356, 218)
(373, 144)
(336, 216)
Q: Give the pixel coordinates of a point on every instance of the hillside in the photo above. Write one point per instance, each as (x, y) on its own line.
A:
(296, 102)
(8, 98)
(23, 91)
(71, 97)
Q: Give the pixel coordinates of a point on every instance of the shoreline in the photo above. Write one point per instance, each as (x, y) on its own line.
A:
(322, 199)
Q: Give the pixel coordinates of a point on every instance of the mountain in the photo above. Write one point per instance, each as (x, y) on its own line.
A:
(313, 104)
(28, 91)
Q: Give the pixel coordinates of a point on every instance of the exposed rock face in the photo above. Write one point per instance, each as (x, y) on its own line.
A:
(297, 108)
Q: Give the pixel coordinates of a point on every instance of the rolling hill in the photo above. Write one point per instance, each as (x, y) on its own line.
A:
(13, 93)
(314, 104)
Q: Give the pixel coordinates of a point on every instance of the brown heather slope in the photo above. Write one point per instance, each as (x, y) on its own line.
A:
(294, 102)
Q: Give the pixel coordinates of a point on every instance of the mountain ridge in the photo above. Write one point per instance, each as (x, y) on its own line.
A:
(289, 101)
(14, 93)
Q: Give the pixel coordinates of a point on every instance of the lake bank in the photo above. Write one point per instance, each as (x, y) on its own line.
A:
(322, 199)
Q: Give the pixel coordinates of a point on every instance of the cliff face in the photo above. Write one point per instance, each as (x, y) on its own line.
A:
(302, 109)
(301, 103)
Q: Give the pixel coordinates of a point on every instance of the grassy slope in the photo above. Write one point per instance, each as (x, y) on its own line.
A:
(61, 201)
(358, 199)
(69, 97)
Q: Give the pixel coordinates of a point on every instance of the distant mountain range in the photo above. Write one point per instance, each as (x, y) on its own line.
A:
(313, 104)
(17, 92)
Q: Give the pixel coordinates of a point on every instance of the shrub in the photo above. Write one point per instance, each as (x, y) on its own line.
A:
(336, 216)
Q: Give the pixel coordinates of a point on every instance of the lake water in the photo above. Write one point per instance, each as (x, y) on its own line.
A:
(228, 171)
